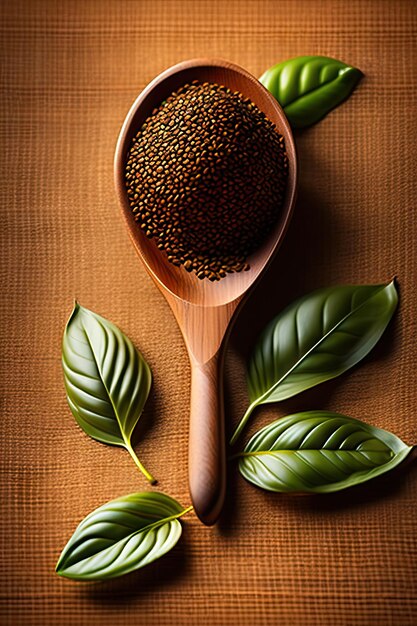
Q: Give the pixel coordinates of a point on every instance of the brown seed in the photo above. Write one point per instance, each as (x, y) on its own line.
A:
(211, 174)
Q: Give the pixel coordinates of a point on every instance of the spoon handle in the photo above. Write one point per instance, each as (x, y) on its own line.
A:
(207, 456)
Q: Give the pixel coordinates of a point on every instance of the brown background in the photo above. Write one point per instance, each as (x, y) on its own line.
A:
(70, 71)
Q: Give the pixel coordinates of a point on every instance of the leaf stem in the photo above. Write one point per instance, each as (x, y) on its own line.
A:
(166, 519)
(243, 454)
(185, 511)
(143, 469)
(242, 423)
(233, 457)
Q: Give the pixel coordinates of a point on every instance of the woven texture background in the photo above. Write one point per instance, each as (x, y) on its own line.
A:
(70, 71)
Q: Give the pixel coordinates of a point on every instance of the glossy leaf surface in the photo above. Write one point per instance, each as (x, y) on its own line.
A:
(121, 536)
(107, 380)
(308, 87)
(319, 452)
(316, 338)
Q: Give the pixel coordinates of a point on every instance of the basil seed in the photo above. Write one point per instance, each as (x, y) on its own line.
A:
(206, 176)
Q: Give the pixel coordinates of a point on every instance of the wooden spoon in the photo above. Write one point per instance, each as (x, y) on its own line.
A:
(203, 309)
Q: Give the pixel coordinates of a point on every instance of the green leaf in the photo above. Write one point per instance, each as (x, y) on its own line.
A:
(316, 338)
(319, 452)
(309, 87)
(107, 380)
(121, 536)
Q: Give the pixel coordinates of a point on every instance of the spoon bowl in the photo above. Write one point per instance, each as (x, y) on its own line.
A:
(203, 309)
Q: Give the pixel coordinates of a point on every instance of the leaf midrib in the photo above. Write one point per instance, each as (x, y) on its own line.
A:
(273, 452)
(126, 441)
(304, 356)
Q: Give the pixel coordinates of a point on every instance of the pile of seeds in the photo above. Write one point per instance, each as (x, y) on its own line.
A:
(206, 176)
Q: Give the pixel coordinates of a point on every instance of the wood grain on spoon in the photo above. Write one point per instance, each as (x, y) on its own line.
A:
(203, 309)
